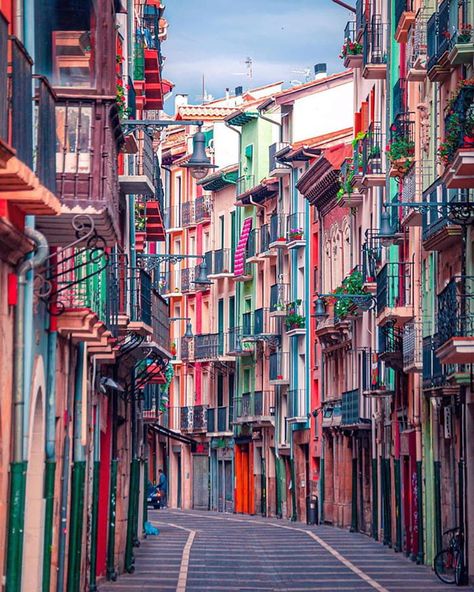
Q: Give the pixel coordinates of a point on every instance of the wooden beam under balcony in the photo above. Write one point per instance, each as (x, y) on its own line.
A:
(20, 186)
(457, 350)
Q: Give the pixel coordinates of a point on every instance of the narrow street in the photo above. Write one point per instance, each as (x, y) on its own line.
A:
(198, 551)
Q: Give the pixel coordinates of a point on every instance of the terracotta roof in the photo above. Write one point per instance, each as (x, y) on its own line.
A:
(204, 112)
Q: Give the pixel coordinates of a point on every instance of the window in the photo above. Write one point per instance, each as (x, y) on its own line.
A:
(73, 139)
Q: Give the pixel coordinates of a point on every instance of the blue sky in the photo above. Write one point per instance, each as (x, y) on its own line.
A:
(214, 37)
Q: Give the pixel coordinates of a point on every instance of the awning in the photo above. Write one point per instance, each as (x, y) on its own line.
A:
(174, 435)
(239, 261)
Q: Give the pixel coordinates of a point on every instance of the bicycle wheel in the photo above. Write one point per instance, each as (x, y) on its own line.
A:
(458, 567)
(444, 566)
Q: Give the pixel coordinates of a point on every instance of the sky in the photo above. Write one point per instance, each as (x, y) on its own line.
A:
(282, 37)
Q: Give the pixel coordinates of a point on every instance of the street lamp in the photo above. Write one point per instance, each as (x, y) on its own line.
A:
(199, 164)
(386, 231)
(363, 301)
(202, 279)
(188, 334)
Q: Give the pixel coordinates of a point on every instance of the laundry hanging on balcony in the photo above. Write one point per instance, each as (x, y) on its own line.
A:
(239, 264)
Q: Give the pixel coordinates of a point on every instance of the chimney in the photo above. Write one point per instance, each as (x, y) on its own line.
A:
(179, 101)
(227, 94)
(238, 91)
(320, 71)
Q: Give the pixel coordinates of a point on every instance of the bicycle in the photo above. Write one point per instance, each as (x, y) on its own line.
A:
(449, 563)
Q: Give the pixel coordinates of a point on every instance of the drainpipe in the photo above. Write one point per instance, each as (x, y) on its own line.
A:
(19, 19)
(16, 513)
(111, 572)
(78, 477)
(50, 462)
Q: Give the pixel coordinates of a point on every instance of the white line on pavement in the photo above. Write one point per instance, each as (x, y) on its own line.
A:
(320, 541)
(184, 567)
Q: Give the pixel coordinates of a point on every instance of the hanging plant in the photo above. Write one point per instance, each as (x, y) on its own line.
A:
(459, 122)
(352, 284)
(140, 216)
(350, 47)
(120, 99)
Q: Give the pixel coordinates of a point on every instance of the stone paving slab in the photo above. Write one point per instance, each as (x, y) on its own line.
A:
(233, 552)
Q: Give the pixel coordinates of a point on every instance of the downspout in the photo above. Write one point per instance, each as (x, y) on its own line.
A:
(16, 513)
(19, 19)
(95, 502)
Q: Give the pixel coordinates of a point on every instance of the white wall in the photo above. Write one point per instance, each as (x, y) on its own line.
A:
(326, 111)
(226, 145)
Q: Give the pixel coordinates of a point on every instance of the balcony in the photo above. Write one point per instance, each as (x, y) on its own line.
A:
(412, 347)
(351, 410)
(457, 150)
(218, 421)
(456, 322)
(372, 147)
(462, 40)
(277, 230)
(266, 242)
(203, 209)
(187, 280)
(362, 12)
(404, 19)
(375, 49)
(417, 49)
(395, 293)
(257, 408)
(438, 40)
(221, 264)
(333, 332)
(279, 372)
(279, 297)
(331, 413)
(391, 346)
(253, 247)
(208, 346)
(277, 168)
(296, 230)
(193, 419)
(237, 345)
(26, 182)
(188, 214)
(258, 325)
(439, 232)
(297, 406)
(295, 319)
(401, 149)
(141, 308)
(350, 177)
(138, 177)
(375, 378)
(434, 374)
(351, 49)
(411, 192)
(244, 184)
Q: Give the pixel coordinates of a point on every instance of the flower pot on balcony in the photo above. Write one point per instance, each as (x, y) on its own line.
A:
(296, 237)
(468, 141)
(279, 376)
(140, 238)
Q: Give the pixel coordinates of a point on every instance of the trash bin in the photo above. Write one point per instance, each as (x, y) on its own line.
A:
(312, 509)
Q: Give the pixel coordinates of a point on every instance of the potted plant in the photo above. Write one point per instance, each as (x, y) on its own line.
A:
(140, 226)
(352, 284)
(296, 234)
(173, 349)
(293, 319)
(349, 48)
(401, 153)
(459, 122)
(464, 33)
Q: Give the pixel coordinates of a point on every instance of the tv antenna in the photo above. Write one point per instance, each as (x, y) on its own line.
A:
(306, 71)
(249, 69)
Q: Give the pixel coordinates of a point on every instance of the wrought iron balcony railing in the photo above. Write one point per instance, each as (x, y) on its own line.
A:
(194, 418)
(456, 309)
(252, 406)
(279, 297)
(350, 31)
(296, 225)
(351, 407)
(437, 217)
(45, 135)
(188, 213)
(265, 238)
(221, 262)
(395, 286)
(375, 42)
(372, 148)
(141, 309)
(208, 346)
(458, 123)
(277, 228)
(258, 324)
(438, 34)
(279, 369)
(160, 321)
(362, 11)
(434, 374)
(417, 43)
(413, 347)
(400, 97)
(275, 165)
(187, 279)
(21, 105)
(203, 208)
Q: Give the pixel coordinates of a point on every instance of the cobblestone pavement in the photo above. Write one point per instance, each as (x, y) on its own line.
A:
(206, 551)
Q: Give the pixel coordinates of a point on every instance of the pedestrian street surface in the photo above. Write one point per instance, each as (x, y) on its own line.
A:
(209, 551)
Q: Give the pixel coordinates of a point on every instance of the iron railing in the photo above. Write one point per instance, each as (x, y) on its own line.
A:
(160, 321)
(437, 216)
(258, 323)
(438, 34)
(255, 405)
(402, 6)
(244, 183)
(118, 289)
(3, 78)
(265, 239)
(433, 371)
(194, 418)
(279, 366)
(372, 148)
(455, 306)
(279, 297)
(203, 208)
(371, 256)
(253, 243)
(351, 407)
(222, 262)
(350, 31)
(400, 97)
(361, 15)
(403, 127)
(211, 420)
(150, 22)
(218, 419)
(206, 346)
(277, 227)
(142, 163)
(45, 135)
(295, 315)
(395, 285)
(187, 279)
(296, 226)
(458, 121)
(375, 41)
(21, 104)
(417, 43)
(188, 213)
(141, 306)
(274, 163)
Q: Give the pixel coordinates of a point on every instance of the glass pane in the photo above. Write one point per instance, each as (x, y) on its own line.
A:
(73, 133)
